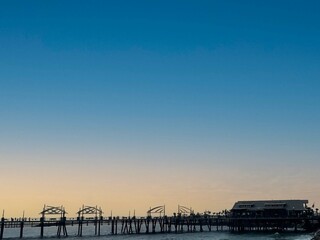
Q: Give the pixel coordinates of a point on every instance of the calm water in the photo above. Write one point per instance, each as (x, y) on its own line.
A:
(88, 233)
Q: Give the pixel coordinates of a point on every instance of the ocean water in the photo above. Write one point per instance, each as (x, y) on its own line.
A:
(88, 234)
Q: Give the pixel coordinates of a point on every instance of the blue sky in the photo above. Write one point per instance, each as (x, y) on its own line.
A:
(188, 85)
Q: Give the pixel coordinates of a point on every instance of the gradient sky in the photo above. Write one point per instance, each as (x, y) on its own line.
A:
(132, 104)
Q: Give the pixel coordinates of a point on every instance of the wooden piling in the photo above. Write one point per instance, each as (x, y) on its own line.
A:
(154, 224)
(41, 226)
(95, 225)
(112, 226)
(64, 229)
(147, 223)
(80, 219)
(21, 228)
(2, 228)
(116, 226)
(130, 226)
(99, 225)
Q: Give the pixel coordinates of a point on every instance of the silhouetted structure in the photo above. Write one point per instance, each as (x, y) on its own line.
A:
(275, 215)
(161, 210)
(87, 210)
(49, 210)
(270, 208)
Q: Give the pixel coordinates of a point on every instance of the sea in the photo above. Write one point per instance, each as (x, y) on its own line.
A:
(89, 234)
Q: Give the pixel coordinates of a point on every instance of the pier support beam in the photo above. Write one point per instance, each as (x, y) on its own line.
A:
(41, 226)
(80, 219)
(112, 226)
(95, 225)
(99, 225)
(62, 227)
(2, 227)
(21, 228)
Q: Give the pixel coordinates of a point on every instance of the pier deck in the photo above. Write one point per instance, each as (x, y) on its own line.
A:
(163, 224)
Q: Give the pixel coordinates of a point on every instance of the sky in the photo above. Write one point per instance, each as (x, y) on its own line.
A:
(129, 105)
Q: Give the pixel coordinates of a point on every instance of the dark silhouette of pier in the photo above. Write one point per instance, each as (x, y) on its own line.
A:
(185, 220)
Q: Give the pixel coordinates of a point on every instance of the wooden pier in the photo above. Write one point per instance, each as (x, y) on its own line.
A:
(178, 223)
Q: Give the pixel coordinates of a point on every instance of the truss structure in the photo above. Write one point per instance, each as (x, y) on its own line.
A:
(184, 210)
(50, 210)
(158, 210)
(90, 210)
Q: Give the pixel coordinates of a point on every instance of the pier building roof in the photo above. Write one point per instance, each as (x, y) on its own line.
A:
(289, 205)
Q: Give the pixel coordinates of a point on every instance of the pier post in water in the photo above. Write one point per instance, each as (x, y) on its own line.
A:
(2, 225)
(22, 226)
(99, 225)
(95, 225)
(80, 219)
(41, 226)
(116, 226)
(112, 226)
(62, 224)
(42, 222)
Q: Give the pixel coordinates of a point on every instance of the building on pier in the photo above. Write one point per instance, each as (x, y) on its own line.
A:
(270, 208)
